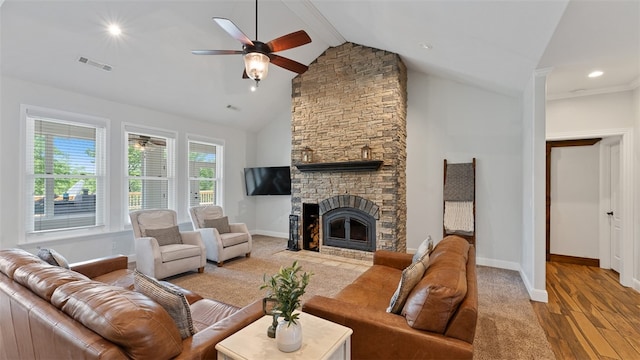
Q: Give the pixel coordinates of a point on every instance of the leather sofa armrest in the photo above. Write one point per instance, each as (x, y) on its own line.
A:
(381, 335)
(392, 259)
(202, 344)
(96, 267)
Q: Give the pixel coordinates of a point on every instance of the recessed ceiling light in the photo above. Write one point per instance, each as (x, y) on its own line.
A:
(426, 46)
(114, 30)
(595, 74)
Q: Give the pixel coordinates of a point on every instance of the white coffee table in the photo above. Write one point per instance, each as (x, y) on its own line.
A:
(321, 339)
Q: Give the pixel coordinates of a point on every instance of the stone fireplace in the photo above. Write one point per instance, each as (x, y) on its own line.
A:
(352, 96)
(349, 222)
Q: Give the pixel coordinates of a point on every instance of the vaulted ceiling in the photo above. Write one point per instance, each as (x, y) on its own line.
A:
(493, 44)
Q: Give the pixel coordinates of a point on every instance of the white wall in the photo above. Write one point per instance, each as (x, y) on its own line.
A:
(1, 168)
(575, 205)
(590, 113)
(532, 267)
(636, 101)
(117, 237)
(273, 144)
(446, 119)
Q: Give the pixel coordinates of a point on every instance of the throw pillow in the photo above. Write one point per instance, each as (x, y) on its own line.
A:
(411, 276)
(166, 236)
(53, 257)
(173, 301)
(222, 224)
(424, 249)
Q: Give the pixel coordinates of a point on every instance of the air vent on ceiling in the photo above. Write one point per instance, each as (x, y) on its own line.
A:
(101, 66)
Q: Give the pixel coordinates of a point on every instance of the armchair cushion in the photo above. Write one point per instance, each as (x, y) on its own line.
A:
(222, 224)
(173, 252)
(172, 300)
(166, 236)
(231, 239)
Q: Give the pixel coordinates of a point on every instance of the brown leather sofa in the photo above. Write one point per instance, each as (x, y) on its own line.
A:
(90, 312)
(438, 320)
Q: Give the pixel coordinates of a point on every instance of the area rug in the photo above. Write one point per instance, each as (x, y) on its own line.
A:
(507, 327)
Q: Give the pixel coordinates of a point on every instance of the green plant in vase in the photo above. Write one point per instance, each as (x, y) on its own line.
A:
(286, 287)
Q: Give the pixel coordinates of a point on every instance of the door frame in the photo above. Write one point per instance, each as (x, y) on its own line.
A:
(627, 194)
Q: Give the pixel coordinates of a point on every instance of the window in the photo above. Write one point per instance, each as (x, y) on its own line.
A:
(65, 170)
(150, 172)
(205, 180)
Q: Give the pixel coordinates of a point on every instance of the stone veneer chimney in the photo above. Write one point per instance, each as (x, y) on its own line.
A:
(353, 96)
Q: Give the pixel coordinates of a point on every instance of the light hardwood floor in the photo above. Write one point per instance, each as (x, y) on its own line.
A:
(589, 314)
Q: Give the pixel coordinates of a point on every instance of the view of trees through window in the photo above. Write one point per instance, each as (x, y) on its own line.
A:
(65, 178)
(148, 175)
(66, 172)
(202, 173)
(65, 164)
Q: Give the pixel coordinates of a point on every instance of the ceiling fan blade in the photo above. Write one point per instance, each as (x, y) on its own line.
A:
(289, 41)
(231, 29)
(216, 52)
(288, 64)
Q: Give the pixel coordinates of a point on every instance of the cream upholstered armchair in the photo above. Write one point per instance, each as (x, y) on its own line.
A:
(162, 250)
(222, 240)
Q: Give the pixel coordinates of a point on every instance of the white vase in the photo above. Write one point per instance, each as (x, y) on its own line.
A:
(289, 336)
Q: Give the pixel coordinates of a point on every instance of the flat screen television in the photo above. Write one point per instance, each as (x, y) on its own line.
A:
(274, 180)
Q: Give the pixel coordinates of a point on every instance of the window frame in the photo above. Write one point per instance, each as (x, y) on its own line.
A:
(219, 166)
(29, 114)
(170, 136)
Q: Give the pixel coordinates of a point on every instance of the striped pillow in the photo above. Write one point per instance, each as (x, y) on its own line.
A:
(173, 301)
(411, 276)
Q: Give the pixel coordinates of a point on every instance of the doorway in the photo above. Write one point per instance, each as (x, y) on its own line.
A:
(597, 218)
(572, 197)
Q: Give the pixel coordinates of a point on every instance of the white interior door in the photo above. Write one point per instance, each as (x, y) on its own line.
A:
(615, 219)
(575, 201)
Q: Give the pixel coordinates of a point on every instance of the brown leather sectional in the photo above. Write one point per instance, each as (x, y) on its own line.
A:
(438, 320)
(90, 312)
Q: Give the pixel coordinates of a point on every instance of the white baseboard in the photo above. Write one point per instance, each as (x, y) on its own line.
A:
(500, 264)
(270, 233)
(636, 285)
(535, 294)
(539, 295)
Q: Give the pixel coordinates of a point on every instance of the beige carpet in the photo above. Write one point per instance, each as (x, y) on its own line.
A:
(507, 326)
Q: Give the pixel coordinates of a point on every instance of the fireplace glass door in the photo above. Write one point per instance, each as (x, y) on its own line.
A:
(349, 228)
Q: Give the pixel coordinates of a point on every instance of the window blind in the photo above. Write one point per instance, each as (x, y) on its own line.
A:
(149, 171)
(65, 171)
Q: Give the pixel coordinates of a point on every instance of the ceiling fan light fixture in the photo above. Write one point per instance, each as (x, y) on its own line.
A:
(256, 65)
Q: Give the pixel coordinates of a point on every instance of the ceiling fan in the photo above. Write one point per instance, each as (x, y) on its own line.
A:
(142, 141)
(257, 54)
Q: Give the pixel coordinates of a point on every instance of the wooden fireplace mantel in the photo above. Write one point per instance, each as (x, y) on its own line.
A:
(359, 165)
